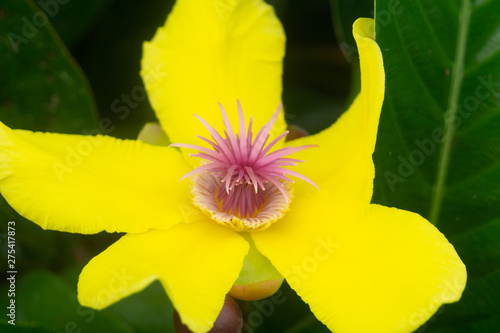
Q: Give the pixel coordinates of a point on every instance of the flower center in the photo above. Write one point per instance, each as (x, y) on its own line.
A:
(241, 184)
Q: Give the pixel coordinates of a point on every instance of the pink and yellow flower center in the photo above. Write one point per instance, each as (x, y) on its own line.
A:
(241, 182)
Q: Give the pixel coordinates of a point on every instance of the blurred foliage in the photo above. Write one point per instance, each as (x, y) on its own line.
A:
(43, 88)
(74, 19)
(47, 302)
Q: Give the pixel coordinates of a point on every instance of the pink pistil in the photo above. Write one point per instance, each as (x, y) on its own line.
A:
(244, 165)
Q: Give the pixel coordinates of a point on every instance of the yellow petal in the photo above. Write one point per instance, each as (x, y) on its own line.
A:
(363, 268)
(343, 160)
(196, 263)
(213, 52)
(88, 184)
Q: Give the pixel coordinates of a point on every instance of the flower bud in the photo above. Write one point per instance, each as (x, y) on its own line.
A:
(255, 291)
(153, 134)
(295, 132)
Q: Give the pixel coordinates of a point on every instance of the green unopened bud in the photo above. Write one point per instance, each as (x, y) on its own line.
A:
(153, 134)
(258, 278)
(296, 132)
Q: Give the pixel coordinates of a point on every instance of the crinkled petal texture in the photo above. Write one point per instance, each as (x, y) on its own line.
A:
(87, 184)
(212, 52)
(344, 158)
(196, 263)
(363, 268)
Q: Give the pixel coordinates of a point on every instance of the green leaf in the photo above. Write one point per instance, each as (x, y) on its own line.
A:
(41, 86)
(438, 149)
(44, 301)
(148, 311)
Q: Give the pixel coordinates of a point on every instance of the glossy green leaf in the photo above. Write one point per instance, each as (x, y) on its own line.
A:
(438, 149)
(41, 86)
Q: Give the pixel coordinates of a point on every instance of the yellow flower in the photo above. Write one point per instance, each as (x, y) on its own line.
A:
(361, 267)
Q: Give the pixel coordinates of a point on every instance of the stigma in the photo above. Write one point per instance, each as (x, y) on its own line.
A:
(242, 182)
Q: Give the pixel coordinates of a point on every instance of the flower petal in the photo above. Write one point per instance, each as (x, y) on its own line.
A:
(212, 52)
(196, 263)
(349, 260)
(87, 184)
(344, 158)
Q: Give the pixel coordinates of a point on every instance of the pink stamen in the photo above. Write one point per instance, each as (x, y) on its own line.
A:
(223, 144)
(244, 167)
(269, 146)
(263, 135)
(206, 156)
(214, 145)
(243, 139)
(199, 148)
